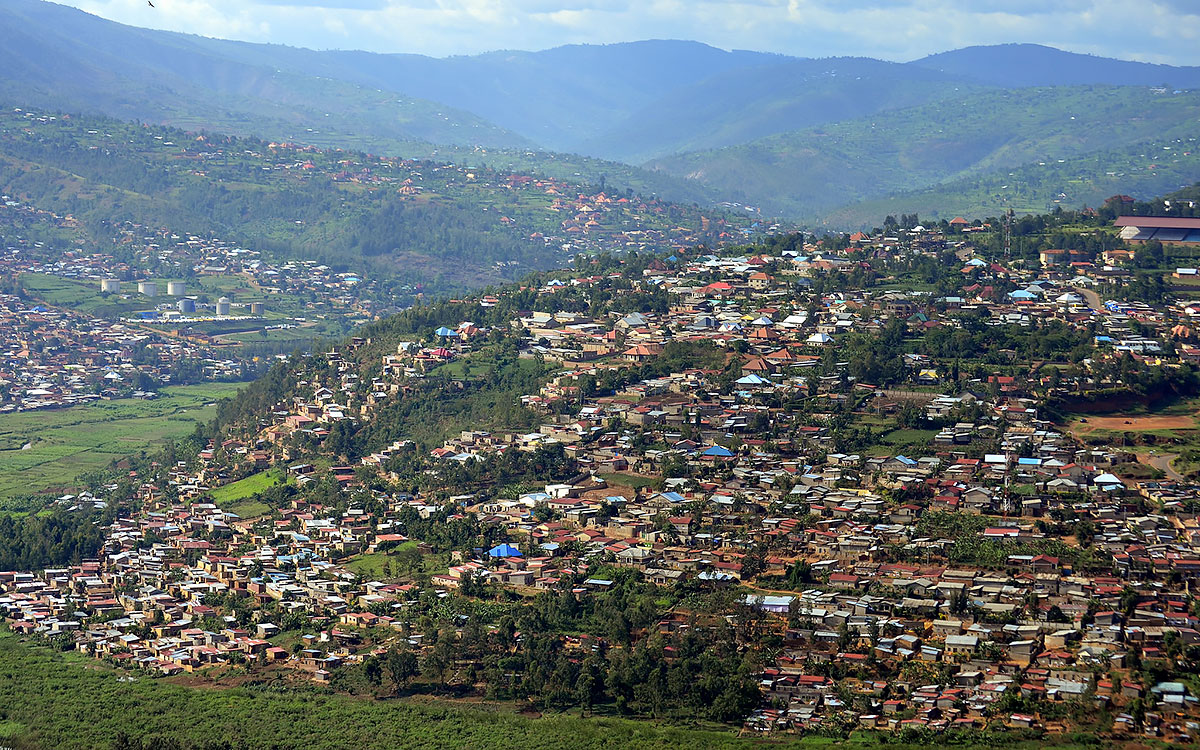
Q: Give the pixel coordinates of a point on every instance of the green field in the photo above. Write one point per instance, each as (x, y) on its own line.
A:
(908, 437)
(236, 496)
(632, 481)
(244, 488)
(87, 297)
(64, 443)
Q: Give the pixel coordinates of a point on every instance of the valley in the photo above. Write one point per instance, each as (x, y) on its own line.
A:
(646, 394)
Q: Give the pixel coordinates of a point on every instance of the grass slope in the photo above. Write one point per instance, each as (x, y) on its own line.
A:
(46, 697)
(68, 442)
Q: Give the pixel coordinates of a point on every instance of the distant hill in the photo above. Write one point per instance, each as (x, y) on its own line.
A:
(1014, 65)
(681, 120)
(557, 98)
(57, 57)
(807, 173)
(412, 223)
(748, 103)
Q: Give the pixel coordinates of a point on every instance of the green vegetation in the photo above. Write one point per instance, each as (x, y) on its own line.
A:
(41, 708)
(55, 537)
(244, 497)
(47, 450)
(244, 488)
(909, 437)
(1146, 168)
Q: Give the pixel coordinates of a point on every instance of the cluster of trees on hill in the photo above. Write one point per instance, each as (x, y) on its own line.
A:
(701, 671)
(39, 540)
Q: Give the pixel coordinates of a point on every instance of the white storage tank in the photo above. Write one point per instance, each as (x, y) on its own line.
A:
(223, 305)
(257, 308)
(110, 285)
(148, 288)
(187, 306)
(176, 288)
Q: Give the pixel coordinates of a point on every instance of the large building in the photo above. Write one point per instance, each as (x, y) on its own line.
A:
(1165, 229)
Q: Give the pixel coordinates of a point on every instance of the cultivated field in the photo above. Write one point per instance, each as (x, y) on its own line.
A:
(43, 451)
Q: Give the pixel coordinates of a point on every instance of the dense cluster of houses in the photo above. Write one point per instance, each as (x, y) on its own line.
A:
(1001, 568)
(992, 571)
(55, 358)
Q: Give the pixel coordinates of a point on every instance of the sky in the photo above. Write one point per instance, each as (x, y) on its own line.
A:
(1161, 31)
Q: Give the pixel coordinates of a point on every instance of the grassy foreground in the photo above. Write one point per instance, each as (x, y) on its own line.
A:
(55, 700)
(50, 700)
(64, 443)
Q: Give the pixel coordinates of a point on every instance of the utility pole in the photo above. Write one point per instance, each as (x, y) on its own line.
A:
(1008, 217)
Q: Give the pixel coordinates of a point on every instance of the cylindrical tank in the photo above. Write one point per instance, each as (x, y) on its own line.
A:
(257, 308)
(187, 306)
(223, 306)
(176, 288)
(148, 288)
(110, 285)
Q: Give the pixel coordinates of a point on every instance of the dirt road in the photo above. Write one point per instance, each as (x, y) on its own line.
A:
(1090, 297)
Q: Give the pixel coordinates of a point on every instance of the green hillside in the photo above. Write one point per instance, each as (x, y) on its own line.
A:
(417, 223)
(1142, 170)
(810, 172)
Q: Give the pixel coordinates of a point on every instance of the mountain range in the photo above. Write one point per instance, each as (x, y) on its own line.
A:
(796, 137)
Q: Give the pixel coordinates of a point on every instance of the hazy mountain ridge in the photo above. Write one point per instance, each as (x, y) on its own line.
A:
(750, 103)
(58, 57)
(1015, 65)
(799, 136)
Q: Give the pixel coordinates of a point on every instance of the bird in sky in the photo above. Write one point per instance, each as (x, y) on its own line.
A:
(149, 3)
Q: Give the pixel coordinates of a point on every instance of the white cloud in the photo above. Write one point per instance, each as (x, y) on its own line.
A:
(1150, 30)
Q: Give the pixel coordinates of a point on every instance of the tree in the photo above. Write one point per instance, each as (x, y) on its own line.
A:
(401, 666)
(372, 670)
(755, 561)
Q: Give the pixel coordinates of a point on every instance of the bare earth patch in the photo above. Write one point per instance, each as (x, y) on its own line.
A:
(1134, 423)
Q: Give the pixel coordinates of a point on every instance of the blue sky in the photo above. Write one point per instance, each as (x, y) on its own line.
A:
(1163, 31)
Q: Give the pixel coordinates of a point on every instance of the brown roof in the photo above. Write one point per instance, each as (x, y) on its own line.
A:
(1158, 222)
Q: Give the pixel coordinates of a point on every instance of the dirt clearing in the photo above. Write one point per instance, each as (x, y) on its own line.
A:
(1133, 424)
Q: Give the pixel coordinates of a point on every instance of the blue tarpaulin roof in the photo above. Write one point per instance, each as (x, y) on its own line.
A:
(504, 550)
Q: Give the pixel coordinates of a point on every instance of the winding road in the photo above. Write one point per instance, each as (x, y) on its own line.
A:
(1162, 462)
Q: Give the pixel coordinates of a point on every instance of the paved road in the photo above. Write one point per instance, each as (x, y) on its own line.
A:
(1162, 462)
